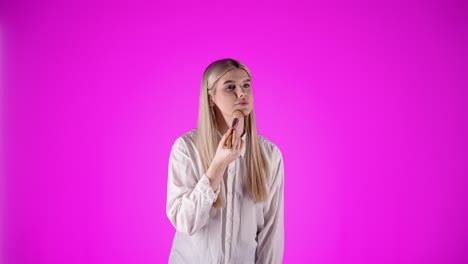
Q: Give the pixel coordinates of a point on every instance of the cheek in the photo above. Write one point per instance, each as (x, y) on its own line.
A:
(229, 96)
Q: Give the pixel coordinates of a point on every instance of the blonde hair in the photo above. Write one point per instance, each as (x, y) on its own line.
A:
(207, 141)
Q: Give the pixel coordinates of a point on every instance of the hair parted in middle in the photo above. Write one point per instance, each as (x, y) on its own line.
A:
(206, 138)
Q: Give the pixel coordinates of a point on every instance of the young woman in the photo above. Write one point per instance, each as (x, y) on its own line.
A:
(226, 204)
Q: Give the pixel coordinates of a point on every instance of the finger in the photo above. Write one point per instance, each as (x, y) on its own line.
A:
(238, 140)
(234, 138)
(241, 143)
(228, 132)
(225, 136)
(236, 147)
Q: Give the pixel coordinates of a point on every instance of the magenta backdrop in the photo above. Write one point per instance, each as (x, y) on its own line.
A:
(368, 103)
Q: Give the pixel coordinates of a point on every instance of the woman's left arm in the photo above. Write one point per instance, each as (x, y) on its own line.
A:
(270, 245)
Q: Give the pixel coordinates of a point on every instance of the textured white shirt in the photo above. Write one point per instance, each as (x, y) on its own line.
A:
(243, 231)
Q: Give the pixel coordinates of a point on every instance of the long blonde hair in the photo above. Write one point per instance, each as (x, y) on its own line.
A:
(207, 141)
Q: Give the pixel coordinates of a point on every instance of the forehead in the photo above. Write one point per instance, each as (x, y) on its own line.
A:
(235, 75)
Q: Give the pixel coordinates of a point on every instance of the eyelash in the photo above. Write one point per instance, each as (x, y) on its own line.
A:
(229, 87)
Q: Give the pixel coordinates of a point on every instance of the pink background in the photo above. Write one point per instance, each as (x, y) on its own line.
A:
(367, 102)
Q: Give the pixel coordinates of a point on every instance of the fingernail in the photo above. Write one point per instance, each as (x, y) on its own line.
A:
(235, 122)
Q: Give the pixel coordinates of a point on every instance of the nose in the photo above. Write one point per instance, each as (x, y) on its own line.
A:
(241, 92)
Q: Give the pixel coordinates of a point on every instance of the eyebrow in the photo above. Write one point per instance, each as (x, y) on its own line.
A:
(231, 81)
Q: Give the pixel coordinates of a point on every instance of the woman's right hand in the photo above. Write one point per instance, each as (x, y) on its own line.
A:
(224, 155)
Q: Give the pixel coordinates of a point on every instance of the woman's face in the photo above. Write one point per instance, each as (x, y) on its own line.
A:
(233, 92)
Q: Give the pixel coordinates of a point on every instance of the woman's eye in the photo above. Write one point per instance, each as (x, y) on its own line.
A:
(231, 87)
(246, 85)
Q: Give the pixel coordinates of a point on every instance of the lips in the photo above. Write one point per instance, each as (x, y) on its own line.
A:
(243, 103)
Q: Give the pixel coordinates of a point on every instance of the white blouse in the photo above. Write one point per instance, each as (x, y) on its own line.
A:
(241, 232)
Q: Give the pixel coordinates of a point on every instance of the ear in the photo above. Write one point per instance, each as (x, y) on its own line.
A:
(211, 101)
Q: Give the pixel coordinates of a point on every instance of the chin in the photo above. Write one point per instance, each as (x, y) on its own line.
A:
(247, 112)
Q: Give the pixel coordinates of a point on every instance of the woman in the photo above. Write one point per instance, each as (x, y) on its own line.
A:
(226, 203)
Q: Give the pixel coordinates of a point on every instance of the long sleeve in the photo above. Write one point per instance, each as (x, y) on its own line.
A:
(189, 199)
(270, 246)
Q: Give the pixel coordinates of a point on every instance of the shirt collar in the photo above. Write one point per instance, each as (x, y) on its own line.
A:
(243, 138)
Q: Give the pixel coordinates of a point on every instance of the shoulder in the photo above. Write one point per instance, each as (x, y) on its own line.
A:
(276, 165)
(272, 151)
(185, 141)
